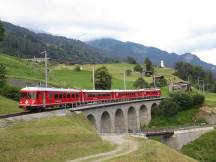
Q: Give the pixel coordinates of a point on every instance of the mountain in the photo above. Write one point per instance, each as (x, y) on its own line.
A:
(19, 41)
(140, 52)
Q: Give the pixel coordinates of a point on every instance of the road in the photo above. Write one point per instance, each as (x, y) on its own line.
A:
(125, 145)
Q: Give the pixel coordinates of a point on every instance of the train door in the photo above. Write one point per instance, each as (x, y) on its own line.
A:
(44, 99)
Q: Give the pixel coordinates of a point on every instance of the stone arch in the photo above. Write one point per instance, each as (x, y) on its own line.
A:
(143, 115)
(92, 120)
(119, 121)
(132, 119)
(105, 122)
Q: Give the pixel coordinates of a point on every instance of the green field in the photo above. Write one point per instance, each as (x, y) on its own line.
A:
(65, 76)
(8, 106)
(153, 151)
(51, 139)
(210, 99)
(202, 149)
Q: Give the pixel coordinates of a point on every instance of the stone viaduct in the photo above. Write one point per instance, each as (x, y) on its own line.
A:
(121, 117)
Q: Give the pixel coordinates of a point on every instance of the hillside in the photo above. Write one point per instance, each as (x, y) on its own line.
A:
(62, 75)
(50, 139)
(153, 151)
(202, 149)
(21, 42)
(8, 106)
(140, 52)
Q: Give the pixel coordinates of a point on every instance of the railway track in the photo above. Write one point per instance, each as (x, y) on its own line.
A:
(25, 113)
(59, 108)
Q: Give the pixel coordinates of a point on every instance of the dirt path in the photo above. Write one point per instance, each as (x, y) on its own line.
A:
(125, 145)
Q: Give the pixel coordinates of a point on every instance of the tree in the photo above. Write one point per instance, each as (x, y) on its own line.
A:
(140, 83)
(128, 72)
(103, 79)
(131, 60)
(148, 64)
(1, 32)
(2, 75)
(138, 68)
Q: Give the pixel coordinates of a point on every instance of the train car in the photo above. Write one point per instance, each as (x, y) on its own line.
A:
(97, 95)
(39, 98)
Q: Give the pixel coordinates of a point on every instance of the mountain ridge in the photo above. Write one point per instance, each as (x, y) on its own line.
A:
(140, 52)
(22, 42)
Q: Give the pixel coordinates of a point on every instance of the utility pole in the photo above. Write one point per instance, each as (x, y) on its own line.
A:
(93, 78)
(124, 81)
(46, 72)
(154, 81)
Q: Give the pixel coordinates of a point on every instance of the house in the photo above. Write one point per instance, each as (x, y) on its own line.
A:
(179, 86)
(147, 73)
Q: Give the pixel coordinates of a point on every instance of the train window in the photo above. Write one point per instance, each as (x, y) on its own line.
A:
(68, 95)
(64, 95)
(60, 95)
(72, 95)
(77, 95)
(50, 95)
(56, 95)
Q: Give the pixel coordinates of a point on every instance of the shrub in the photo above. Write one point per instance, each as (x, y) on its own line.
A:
(138, 68)
(183, 99)
(77, 68)
(198, 99)
(128, 72)
(10, 92)
(168, 107)
(140, 83)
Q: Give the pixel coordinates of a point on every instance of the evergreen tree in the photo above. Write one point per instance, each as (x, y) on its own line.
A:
(148, 64)
(1, 32)
(103, 79)
(131, 60)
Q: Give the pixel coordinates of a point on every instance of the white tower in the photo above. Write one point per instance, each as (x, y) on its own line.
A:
(162, 64)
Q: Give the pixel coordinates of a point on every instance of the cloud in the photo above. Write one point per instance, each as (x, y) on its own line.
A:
(172, 25)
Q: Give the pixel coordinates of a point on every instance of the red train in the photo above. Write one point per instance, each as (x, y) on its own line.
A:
(40, 98)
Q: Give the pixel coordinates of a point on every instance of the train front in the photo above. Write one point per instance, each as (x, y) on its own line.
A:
(27, 98)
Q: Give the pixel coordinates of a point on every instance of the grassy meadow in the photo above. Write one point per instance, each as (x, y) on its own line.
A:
(203, 148)
(51, 139)
(65, 76)
(8, 106)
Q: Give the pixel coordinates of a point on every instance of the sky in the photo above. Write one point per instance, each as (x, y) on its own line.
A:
(178, 26)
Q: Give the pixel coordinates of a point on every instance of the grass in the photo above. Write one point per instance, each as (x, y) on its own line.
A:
(153, 151)
(51, 139)
(64, 75)
(187, 117)
(210, 99)
(203, 148)
(8, 106)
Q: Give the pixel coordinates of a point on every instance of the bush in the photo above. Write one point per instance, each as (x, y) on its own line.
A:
(10, 92)
(128, 72)
(140, 83)
(183, 99)
(198, 99)
(167, 108)
(138, 68)
(77, 68)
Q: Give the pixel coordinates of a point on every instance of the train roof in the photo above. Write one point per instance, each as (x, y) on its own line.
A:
(119, 90)
(77, 90)
(49, 89)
